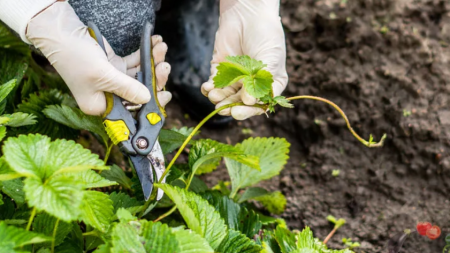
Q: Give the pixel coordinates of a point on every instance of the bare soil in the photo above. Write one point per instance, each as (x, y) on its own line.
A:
(386, 63)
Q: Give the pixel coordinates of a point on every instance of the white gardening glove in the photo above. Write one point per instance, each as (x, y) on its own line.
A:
(60, 35)
(253, 28)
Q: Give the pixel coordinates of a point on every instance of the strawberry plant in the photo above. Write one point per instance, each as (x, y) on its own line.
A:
(58, 196)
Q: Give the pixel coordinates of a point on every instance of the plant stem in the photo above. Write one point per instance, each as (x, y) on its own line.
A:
(164, 215)
(108, 152)
(54, 235)
(188, 139)
(186, 142)
(366, 143)
(330, 235)
(233, 194)
(30, 221)
(91, 233)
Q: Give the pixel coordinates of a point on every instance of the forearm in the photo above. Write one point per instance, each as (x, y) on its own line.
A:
(17, 13)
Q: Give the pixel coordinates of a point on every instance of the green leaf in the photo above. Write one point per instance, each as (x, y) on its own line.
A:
(259, 85)
(305, 242)
(1, 199)
(191, 242)
(97, 210)
(269, 244)
(286, 239)
(19, 119)
(75, 118)
(158, 238)
(275, 202)
(17, 237)
(35, 105)
(105, 248)
(125, 237)
(273, 155)
(235, 241)
(11, 42)
(91, 179)
(257, 82)
(59, 196)
(117, 174)
(68, 247)
(36, 156)
(12, 66)
(125, 216)
(122, 200)
(2, 132)
(151, 237)
(229, 73)
(45, 224)
(208, 150)
(7, 210)
(245, 61)
(200, 217)
(282, 101)
(173, 139)
(235, 216)
(252, 193)
(6, 88)
(12, 188)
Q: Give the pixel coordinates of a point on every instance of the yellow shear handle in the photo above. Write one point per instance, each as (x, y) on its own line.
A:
(117, 131)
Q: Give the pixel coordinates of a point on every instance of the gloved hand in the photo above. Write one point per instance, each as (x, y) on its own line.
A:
(65, 41)
(253, 28)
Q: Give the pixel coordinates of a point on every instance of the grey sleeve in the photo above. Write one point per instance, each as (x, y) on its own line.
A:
(120, 21)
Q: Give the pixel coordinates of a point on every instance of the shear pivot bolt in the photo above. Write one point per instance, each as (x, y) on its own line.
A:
(142, 143)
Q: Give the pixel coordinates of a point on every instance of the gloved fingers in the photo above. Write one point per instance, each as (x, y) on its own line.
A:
(133, 60)
(91, 104)
(245, 112)
(117, 61)
(209, 85)
(159, 52)
(229, 100)
(217, 95)
(132, 72)
(278, 87)
(125, 87)
(247, 98)
(164, 98)
(162, 74)
(156, 39)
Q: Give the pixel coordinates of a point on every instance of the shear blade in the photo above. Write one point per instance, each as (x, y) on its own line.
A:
(147, 167)
(156, 158)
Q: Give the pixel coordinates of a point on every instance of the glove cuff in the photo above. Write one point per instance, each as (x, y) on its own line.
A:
(17, 13)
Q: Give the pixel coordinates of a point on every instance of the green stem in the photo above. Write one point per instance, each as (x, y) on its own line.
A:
(234, 193)
(30, 221)
(188, 139)
(164, 215)
(54, 235)
(186, 142)
(108, 152)
(91, 233)
(366, 143)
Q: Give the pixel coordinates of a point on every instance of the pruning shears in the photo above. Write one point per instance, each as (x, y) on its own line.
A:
(135, 128)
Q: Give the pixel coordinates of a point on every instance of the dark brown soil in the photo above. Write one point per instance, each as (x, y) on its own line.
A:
(386, 63)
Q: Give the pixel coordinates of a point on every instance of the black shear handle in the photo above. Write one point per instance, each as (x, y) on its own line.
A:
(151, 117)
